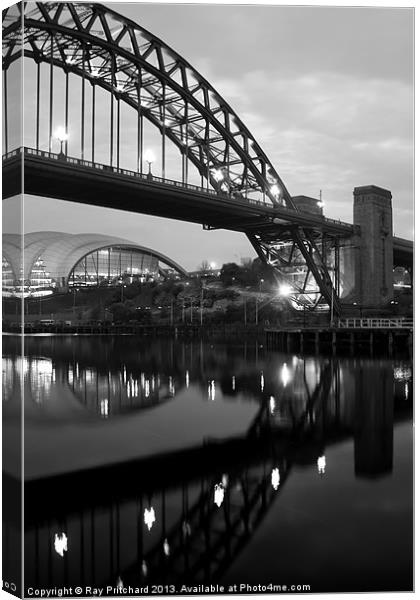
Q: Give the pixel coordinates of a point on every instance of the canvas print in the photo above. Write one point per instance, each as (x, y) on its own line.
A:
(207, 299)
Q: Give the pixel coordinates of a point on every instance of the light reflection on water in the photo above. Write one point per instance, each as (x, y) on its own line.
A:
(189, 513)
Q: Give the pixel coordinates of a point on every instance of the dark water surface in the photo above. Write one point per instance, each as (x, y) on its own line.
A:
(186, 463)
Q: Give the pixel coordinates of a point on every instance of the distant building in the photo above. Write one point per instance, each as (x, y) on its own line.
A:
(56, 261)
(308, 204)
(204, 273)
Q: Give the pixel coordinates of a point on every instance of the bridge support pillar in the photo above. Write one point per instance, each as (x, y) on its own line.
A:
(372, 212)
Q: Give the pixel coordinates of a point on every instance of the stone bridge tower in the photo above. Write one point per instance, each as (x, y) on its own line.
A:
(372, 212)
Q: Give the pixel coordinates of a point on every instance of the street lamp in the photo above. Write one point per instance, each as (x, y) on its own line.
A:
(190, 298)
(201, 304)
(75, 290)
(150, 158)
(359, 307)
(121, 281)
(258, 298)
(62, 136)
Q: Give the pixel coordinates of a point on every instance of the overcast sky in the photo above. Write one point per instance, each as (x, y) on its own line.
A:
(327, 93)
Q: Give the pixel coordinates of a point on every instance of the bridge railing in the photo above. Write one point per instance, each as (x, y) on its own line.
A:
(394, 323)
(235, 196)
(12, 153)
(127, 172)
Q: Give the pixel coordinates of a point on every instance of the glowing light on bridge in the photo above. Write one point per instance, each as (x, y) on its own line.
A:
(149, 517)
(275, 478)
(120, 583)
(187, 379)
(150, 158)
(285, 375)
(262, 381)
(275, 190)
(218, 175)
(321, 464)
(233, 382)
(225, 480)
(219, 494)
(60, 543)
(62, 136)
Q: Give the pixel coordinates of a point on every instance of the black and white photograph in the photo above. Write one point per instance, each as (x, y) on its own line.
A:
(207, 299)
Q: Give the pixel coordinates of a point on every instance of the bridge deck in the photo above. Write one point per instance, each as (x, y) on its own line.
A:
(66, 178)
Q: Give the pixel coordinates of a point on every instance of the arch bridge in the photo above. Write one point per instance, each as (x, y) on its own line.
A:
(85, 61)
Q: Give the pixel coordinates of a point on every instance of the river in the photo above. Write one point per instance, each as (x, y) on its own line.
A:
(153, 462)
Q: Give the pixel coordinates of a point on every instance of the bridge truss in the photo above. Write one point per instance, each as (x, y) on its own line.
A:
(137, 69)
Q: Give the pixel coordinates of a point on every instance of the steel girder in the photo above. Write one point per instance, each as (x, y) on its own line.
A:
(308, 264)
(138, 68)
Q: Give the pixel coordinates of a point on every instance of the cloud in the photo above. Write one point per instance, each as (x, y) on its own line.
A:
(333, 132)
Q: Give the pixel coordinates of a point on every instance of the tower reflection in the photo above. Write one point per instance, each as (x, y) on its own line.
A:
(374, 416)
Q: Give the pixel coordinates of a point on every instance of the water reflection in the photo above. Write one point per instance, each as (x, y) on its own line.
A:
(104, 394)
(60, 543)
(186, 516)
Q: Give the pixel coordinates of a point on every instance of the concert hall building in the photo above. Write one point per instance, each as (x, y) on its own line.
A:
(56, 261)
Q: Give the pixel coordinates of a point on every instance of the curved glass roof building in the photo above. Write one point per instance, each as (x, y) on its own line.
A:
(54, 260)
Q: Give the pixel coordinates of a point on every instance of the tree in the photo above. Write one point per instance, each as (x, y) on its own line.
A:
(204, 266)
(230, 273)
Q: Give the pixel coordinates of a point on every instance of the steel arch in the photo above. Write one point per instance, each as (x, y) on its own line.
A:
(130, 246)
(138, 68)
(135, 66)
